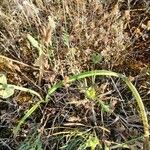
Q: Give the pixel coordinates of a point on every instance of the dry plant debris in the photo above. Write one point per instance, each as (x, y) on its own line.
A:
(74, 36)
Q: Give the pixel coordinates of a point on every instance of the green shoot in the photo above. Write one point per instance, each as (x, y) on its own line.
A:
(96, 58)
(91, 93)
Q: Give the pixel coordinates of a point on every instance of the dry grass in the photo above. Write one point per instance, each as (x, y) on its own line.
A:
(72, 34)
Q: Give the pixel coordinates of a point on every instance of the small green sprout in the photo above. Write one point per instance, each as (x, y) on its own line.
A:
(91, 93)
(92, 142)
(96, 58)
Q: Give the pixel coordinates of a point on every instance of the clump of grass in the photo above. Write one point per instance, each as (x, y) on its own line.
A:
(32, 142)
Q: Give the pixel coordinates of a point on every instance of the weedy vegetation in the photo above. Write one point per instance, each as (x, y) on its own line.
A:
(74, 74)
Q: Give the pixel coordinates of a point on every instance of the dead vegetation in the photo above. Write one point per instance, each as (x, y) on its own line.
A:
(74, 36)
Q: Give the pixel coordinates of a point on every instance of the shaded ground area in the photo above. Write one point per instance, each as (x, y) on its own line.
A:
(75, 36)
